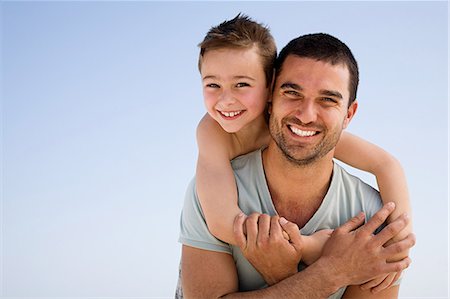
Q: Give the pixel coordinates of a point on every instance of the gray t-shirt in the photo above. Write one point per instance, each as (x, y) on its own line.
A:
(346, 197)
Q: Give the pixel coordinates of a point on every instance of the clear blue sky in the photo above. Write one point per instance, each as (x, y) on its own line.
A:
(100, 101)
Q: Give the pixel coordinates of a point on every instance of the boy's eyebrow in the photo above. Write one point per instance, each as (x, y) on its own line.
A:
(289, 85)
(331, 93)
(235, 77)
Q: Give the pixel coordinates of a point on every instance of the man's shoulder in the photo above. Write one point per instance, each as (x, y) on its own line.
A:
(247, 160)
(352, 182)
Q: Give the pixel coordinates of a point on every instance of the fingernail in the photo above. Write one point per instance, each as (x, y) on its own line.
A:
(241, 214)
(406, 216)
(391, 204)
(283, 221)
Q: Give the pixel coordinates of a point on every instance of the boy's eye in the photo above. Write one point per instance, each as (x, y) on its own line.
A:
(212, 85)
(242, 84)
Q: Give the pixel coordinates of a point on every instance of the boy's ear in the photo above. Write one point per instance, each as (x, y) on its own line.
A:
(269, 106)
(273, 81)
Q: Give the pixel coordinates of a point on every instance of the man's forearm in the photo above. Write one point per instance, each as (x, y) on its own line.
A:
(316, 281)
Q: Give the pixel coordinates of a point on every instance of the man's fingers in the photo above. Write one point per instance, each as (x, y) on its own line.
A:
(391, 230)
(400, 246)
(238, 229)
(351, 224)
(251, 224)
(378, 219)
(397, 266)
(263, 228)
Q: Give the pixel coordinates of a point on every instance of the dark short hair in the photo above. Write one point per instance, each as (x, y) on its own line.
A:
(242, 33)
(322, 47)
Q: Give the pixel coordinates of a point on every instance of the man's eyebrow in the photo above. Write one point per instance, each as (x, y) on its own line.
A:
(289, 85)
(331, 93)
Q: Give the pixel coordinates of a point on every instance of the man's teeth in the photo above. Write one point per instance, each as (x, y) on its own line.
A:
(231, 114)
(302, 133)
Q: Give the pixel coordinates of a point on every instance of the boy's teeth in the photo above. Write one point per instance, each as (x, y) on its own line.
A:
(302, 133)
(231, 114)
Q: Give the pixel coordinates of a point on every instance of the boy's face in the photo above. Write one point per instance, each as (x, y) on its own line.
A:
(234, 86)
(310, 108)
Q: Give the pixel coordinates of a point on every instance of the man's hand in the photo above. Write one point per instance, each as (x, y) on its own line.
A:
(356, 256)
(265, 248)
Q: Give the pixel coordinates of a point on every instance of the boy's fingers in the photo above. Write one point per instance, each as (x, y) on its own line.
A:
(372, 283)
(384, 284)
(291, 229)
(275, 227)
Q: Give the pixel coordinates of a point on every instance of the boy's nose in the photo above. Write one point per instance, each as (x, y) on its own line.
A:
(227, 98)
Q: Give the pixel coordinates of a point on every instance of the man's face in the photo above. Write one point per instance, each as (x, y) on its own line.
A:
(310, 108)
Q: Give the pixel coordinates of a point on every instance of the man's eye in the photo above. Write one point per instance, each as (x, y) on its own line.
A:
(291, 93)
(212, 85)
(329, 100)
(242, 84)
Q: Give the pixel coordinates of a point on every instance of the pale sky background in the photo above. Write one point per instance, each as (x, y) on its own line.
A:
(100, 101)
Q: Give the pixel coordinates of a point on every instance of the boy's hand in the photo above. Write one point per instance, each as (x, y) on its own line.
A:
(382, 282)
(313, 245)
(265, 248)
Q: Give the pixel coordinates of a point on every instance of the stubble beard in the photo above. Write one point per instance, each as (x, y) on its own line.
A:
(297, 155)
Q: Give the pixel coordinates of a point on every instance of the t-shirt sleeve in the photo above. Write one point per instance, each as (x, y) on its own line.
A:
(193, 228)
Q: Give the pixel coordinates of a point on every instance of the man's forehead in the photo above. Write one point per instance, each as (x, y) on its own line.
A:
(293, 62)
(305, 71)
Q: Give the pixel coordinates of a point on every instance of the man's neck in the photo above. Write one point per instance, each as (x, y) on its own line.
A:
(297, 191)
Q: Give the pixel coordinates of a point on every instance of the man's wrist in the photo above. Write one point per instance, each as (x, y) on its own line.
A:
(273, 279)
(329, 274)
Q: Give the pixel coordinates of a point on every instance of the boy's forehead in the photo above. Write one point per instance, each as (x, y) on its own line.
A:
(223, 60)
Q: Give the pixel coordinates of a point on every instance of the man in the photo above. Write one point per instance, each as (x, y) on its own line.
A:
(313, 101)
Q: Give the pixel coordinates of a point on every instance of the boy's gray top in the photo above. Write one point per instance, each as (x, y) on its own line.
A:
(346, 197)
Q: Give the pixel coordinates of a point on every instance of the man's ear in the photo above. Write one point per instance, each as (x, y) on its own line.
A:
(350, 113)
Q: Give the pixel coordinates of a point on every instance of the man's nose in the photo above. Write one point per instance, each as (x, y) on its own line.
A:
(306, 111)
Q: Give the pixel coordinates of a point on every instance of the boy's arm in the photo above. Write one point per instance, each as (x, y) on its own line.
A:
(355, 292)
(216, 185)
(391, 179)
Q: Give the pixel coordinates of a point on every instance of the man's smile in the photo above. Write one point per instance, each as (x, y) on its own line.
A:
(302, 133)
